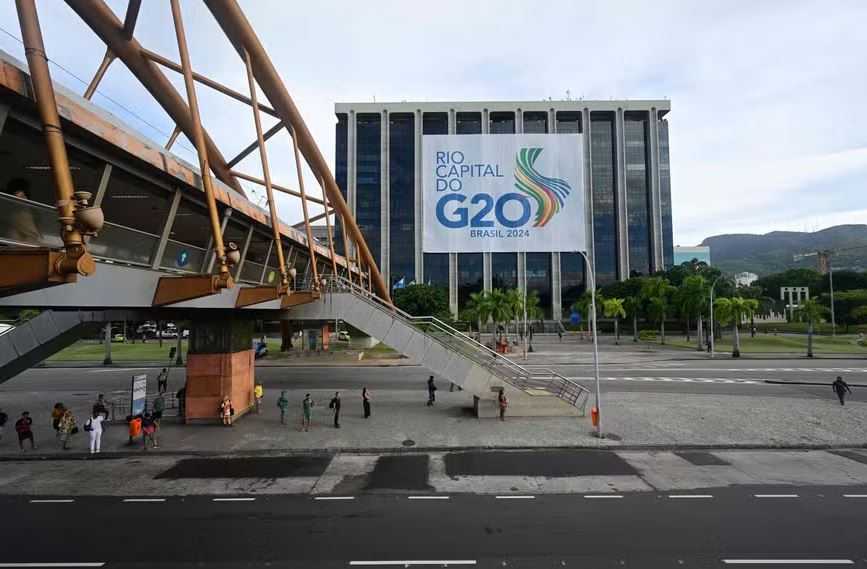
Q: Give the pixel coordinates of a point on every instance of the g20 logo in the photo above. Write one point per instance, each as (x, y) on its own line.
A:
(458, 215)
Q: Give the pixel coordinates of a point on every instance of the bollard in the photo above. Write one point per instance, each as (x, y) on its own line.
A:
(594, 416)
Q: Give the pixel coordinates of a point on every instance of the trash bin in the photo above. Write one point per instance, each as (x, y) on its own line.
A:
(135, 427)
(594, 416)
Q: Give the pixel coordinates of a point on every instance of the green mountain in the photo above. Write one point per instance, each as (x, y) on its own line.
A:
(774, 252)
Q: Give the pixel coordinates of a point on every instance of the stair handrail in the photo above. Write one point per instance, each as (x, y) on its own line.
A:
(27, 316)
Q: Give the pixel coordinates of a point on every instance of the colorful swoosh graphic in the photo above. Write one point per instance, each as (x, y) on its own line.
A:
(548, 193)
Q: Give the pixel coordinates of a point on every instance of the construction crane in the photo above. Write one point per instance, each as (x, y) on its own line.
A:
(823, 260)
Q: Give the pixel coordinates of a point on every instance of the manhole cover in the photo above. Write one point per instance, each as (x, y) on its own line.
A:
(612, 437)
(408, 443)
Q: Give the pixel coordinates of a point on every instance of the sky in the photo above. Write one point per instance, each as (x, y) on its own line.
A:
(767, 126)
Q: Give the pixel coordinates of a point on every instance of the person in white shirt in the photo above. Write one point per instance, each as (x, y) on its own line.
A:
(93, 426)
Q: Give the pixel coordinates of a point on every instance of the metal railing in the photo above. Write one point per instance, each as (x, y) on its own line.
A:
(9, 325)
(538, 379)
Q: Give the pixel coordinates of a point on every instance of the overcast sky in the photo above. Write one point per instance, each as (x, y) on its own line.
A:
(768, 129)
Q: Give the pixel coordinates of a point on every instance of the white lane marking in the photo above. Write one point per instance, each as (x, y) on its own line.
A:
(690, 496)
(440, 562)
(603, 496)
(232, 499)
(122, 370)
(334, 498)
(855, 495)
(776, 495)
(84, 564)
(788, 562)
(65, 501)
(144, 499)
(429, 497)
(516, 497)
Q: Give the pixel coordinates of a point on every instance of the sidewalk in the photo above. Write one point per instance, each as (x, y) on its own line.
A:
(401, 422)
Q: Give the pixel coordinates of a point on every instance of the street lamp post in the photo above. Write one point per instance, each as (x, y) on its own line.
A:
(592, 277)
(712, 333)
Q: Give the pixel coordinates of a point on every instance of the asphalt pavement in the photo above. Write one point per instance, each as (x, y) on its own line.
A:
(723, 527)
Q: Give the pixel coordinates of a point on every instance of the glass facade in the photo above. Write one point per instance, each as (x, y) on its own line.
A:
(501, 122)
(401, 196)
(436, 265)
(341, 144)
(569, 122)
(539, 279)
(604, 183)
(635, 132)
(468, 123)
(368, 180)
(504, 270)
(435, 123)
(469, 276)
(571, 280)
(665, 195)
(535, 122)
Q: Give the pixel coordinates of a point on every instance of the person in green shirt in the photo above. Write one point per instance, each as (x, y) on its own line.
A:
(158, 407)
(307, 412)
(283, 405)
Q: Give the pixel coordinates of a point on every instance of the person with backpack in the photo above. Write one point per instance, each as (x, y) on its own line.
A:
(158, 407)
(93, 427)
(283, 405)
(22, 427)
(365, 401)
(3, 419)
(149, 431)
(840, 387)
(335, 404)
(307, 412)
(431, 391)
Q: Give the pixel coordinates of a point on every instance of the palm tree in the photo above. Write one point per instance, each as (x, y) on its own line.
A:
(534, 310)
(735, 310)
(813, 312)
(479, 307)
(515, 303)
(499, 307)
(613, 308)
(656, 290)
(632, 305)
(582, 307)
(692, 296)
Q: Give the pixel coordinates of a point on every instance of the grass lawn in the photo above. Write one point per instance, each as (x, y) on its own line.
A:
(789, 343)
(149, 351)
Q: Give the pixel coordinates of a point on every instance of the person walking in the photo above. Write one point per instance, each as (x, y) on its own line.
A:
(335, 404)
(94, 428)
(431, 391)
(258, 392)
(226, 411)
(149, 431)
(4, 418)
(307, 412)
(840, 387)
(365, 400)
(181, 396)
(56, 413)
(159, 406)
(163, 381)
(283, 405)
(503, 403)
(22, 427)
(66, 428)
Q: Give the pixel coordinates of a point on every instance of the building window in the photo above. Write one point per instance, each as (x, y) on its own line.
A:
(340, 174)
(368, 181)
(436, 269)
(602, 142)
(468, 123)
(569, 122)
(470, 267)
(571, 280)
(535, 122)
(501, 122)
(637, 193)
(539, 279)
(435, 123)
(401, 179)
(504, 270)
(665, 196)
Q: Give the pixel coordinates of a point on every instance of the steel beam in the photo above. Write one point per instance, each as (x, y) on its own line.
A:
(250, 295)
(132, 10)
(298, 298)
(188, 287)
(109, 29)
(23, 270)
(277, 187)
(246, 152)
(237, 28)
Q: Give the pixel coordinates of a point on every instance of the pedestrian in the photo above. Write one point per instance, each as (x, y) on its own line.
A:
(163, 381)
(503, 403)
(181, 396)
(99, 406)
(365, 399)
(258, 392)
(3, 419)
(94, 428)
(149, 431)
(22, 427)
(56, 413)
(283, 405)
(560, 334)
(226, 411)
(431, 391)
(66, 428)
(159, 406)
(335, 404)
(841, 387)
(307, 412)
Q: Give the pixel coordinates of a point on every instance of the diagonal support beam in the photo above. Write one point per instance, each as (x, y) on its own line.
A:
(246, 152)
(283, 189)
(132, 10)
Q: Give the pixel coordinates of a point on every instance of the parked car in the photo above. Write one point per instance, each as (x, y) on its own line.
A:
(118, 338)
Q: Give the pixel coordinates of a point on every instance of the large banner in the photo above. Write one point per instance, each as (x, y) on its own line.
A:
(500, 192)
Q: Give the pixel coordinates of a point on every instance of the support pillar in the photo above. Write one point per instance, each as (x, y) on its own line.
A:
(219, 363)
(179, 360)
(106, 361)
(285, 335)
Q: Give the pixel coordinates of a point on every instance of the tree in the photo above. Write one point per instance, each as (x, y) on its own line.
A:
(499, 307)
(479, 309)
(813, 311)
(613, 308)
(846, 305)
(582, 307)
(534, 305)
(734, 310)
(656, 290)
(693, 297)
(632, 305)
(422, 300)
(515, 305)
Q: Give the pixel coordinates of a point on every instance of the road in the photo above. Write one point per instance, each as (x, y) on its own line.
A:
(745, 377)
(705, 530)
